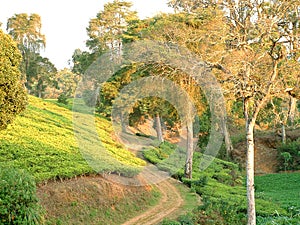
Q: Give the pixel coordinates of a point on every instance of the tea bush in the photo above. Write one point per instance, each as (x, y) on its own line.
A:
(18, 201)
(289, 156)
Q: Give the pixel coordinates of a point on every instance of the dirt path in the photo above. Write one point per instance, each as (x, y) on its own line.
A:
(170, 202)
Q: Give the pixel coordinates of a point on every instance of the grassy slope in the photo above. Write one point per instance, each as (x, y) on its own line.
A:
(224, 186)
(284, 190)
(42, 141)
(93, 200)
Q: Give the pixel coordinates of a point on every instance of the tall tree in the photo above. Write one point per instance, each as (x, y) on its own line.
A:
(201, 33)
(262, 36)
(106, 30)
(42, 75)
(82, 60)
(190, 6)
(260, 33)
(26, 31)
(13, 98)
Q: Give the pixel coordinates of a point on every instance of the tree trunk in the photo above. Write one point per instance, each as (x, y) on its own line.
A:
(158, 128)
(283, 134)
(227, 139)
(40, 93)
(189, 151)
(292, 110)
(123, 123)
(250, 174)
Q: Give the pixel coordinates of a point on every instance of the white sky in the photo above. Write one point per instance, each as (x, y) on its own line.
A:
(64, 22)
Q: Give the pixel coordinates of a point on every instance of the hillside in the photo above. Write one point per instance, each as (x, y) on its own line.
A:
(42, 141)
(266, 153)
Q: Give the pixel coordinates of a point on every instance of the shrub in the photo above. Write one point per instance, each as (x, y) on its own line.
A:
(62, 99)
(220, 212)
(170, 222)
(18, 200)
(289, 156)
(160, 153)
(13, 98)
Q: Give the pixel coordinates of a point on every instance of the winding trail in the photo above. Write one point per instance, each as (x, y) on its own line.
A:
(170, 202)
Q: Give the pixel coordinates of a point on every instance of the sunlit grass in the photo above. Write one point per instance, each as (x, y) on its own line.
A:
(42, 141)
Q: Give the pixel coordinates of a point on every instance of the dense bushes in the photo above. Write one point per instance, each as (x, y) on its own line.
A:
(223, 193)
(35, 142)
(13, 99)
(289, 156)
(18, 200)
(162, 152)
(62, 98)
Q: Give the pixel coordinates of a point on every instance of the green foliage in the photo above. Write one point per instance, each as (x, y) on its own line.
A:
(188, 219)
(35, 142)
(282, 188)
(18, 200)
(170, 222)
(41, 74)
(223, 193)
(26, 31)
(220, 212)
(13, 98)
(107, 28)
(279, 220)
(289, 156)
(65, 82)
(162, 152)
(62, 98)
(82, 60)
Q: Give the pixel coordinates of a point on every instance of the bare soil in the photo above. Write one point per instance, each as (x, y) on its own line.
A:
(170, 202)
(92, 200)
(266, 153)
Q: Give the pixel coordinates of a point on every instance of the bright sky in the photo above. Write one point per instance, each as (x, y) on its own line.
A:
(64, 22)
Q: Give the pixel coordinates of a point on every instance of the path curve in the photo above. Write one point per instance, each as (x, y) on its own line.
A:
(170, 202)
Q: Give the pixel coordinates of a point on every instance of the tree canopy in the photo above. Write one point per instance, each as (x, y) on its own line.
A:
(13, 98)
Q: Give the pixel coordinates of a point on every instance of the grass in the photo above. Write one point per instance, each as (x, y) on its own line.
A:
(42, 141)
(284, 190)
(223, 190)
(84, 208)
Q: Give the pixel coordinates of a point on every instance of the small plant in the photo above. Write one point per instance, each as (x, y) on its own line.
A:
(170, 222)
(18, 200)
(62, 99)
(287, 159)
(289, 156)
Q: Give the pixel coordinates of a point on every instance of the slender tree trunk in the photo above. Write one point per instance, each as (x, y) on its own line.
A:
(227, 139)
(250, 174)
(292, 110)
(250, 123)
(123, 124)
(189, 151)
(283, 134)
(158, 128)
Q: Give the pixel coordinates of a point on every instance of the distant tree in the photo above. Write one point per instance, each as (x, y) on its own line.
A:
(26, 31)
(82, 60)
(201, 33)
(67, 82)
(13, 98)
(190, 6)
(263, 37)
(106, 30)
(42, 75)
